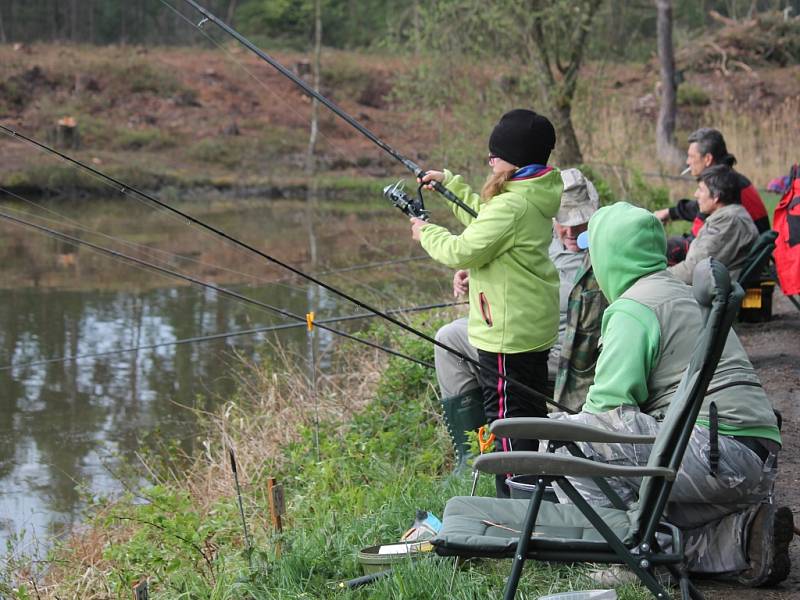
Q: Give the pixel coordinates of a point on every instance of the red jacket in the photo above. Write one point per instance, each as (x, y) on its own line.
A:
(786, 221)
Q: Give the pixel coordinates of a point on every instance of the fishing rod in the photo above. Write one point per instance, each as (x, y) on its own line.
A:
(163, 270)
(241, 507)
(226, 335)
(394, 193)
(125, 188)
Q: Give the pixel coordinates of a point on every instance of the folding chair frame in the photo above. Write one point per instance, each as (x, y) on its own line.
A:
(644, 553)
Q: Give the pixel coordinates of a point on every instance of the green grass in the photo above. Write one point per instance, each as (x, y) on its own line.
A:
(692, 95)
(392, 458)
(149, 138)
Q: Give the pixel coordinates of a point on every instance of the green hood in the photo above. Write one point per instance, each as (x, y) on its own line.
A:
(625, 243)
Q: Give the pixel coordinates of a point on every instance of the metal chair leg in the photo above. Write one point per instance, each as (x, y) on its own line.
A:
(524, 539)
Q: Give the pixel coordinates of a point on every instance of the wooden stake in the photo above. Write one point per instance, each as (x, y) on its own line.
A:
(140, 591)
(277, 506)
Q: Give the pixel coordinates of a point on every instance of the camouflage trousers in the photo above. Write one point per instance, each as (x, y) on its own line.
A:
(713, 511)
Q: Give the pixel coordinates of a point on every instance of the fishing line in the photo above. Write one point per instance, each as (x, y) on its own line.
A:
(290, 268)
(169, 272)
(160, 208)
(333, 107)
(262, 84)
(127, 191)
(230, 334)
(279, 281)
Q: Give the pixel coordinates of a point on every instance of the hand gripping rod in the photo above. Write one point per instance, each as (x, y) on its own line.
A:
(408, 163)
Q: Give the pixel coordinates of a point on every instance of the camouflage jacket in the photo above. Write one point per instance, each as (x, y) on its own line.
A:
(581, 342)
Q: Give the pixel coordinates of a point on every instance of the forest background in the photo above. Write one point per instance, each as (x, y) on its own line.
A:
(169, 108)
(222, 119)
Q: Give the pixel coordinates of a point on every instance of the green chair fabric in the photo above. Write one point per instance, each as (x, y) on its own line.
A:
(491, 528)
(758, 257)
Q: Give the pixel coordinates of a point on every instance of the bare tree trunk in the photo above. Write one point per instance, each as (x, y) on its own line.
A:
(73, 21)
(231, 11)
(123, 25)
(90, 9)
(3, 39)
(312, 139)
(54, 21)
(665, 128)
(559, 92)
(569, 149)
(417, 20)
(311, 197)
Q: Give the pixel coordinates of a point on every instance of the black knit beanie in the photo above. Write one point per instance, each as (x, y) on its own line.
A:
(522, 138)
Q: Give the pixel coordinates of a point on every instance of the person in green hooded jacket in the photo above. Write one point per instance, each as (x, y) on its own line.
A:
(648, 332)
(513, 287)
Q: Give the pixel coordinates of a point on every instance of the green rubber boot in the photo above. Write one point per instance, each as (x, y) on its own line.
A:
(463, 413)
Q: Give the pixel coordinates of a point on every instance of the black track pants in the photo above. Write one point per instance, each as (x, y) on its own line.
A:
(503, 399)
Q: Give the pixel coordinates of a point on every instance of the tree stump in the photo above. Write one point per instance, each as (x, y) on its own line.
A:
(67, 135)
(303, 68)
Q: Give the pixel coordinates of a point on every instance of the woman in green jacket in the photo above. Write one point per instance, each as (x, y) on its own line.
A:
(513, 285)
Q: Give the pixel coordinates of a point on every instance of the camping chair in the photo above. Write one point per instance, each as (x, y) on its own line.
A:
(757, 259)
(547, 531)
(758, 285)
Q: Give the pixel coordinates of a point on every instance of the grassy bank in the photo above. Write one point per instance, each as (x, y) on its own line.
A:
(383, 453)
(185, 119)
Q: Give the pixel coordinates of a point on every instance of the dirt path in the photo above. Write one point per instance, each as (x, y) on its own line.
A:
(774, 349)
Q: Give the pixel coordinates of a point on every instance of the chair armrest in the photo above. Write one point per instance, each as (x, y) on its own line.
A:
(538, 428)
(547, 464)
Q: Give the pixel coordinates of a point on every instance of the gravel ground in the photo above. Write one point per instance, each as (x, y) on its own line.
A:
(774, 349)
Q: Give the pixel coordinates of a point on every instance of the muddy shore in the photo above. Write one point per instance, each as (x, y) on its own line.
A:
(774, 349)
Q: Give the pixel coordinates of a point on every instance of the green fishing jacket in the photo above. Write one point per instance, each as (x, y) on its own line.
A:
(513, 285)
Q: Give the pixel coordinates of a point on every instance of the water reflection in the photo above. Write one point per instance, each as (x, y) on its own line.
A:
(60, 420)
(64, 423)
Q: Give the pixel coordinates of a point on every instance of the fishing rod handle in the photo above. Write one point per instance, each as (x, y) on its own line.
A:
(363, 580)
(452, 198)
(233, 460)
(419, 172)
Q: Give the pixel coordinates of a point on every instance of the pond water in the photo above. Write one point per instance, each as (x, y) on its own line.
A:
(67, 426)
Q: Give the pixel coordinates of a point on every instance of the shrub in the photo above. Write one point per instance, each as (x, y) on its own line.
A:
(692, 95)
(601, 185)
(142, 139)
(647, 196)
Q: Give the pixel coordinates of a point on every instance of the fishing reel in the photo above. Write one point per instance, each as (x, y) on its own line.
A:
(413, 207)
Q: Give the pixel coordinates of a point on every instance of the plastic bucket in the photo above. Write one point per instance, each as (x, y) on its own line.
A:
(583, 595)
(383, 556)
(523, 486)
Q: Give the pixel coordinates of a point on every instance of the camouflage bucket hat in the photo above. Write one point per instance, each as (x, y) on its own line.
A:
(579, 200)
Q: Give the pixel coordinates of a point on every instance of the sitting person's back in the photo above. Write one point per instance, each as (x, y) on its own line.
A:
(727, 233)
(649, 332)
